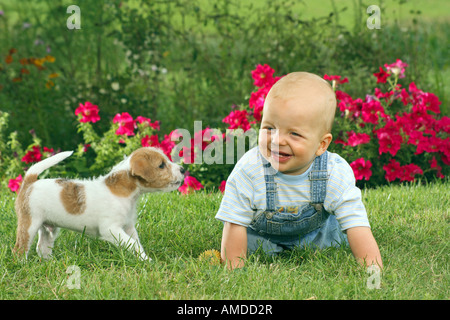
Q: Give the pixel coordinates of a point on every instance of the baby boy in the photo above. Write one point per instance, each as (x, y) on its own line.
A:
(290, 191)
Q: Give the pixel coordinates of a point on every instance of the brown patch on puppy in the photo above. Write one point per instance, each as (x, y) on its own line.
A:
(22, 206)
(121, 184)
(151, 168)
(73, 196)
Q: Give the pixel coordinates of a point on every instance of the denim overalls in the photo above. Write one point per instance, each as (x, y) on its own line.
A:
(277, 229)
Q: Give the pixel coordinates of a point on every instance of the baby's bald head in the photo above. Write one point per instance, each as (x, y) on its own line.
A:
(315, 91)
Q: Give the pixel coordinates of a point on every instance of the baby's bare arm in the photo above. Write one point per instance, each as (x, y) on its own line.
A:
(364, 246)
(234, 245)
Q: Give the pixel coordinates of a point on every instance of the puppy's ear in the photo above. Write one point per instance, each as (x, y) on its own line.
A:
(140, 166)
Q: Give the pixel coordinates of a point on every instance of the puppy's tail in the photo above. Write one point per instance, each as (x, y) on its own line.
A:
(39, 167)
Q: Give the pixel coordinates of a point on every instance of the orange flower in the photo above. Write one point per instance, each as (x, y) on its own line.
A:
(49, 84)
(38, 62)
(23, 71)
(53, 75)
(12, 51)
(8, 59)
(17, 79)
(50, 58)
(24, 61)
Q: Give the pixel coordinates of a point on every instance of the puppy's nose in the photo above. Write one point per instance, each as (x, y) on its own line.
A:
(182, 170)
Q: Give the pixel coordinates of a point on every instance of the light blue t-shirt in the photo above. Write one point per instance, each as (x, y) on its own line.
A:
(245, 192)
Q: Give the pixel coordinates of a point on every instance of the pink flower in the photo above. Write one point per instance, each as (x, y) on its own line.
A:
(168, 143)
(392, 170)
(409, 171)
(33, 155)
(389, 138)
(397, 68)
(335, 79)
(48, 150)
(222, 186)
(190, 185)
(262, 75)
(350, 108)
(237, 119)
(405, 97)
(152, 141)
(88, 112)
(155, 125)
(381, 76)
(428, 102)
(355, 139)
(386, 95)
(361, 169)
(256, 101)
(438, 168)
(126, 124)
(371, 110)
(416, 138)
(443, 125)
(404, 173)
(14, 184)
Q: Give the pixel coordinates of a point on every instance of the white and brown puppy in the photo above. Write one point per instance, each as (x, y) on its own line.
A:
(104, 207)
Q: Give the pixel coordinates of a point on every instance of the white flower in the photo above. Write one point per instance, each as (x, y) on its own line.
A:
(115, 86)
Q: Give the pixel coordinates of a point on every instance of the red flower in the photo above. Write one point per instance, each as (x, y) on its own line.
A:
(126, 124)
(389, 138)
(14, 184)
(434, 165)
(381, 76)
(349, 107)
(168, 143)
(409, 171)
(263, 75)
(371, 110)
(361, 169)
(397, 68)
(416, 138)
(335, 79)
(49, 150)
(387, 95)
(355, 139)
(392, 170)
(190, 185)
(155, 125)
(256, 101)
(428, 102)
(33, 155)
(404, 173)
(222, 186)
(88, 111)
(237, 119)
(152, 141)
(443, 125)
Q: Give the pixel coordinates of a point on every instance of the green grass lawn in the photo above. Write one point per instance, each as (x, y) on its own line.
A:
(410, 223)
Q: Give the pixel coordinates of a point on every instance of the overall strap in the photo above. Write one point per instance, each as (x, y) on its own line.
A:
(271, 186)
(319, 177)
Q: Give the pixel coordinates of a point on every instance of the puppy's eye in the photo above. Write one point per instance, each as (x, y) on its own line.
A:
(162, 165)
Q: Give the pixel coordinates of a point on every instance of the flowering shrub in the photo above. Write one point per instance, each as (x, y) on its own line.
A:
(21, 71)
(394, 133)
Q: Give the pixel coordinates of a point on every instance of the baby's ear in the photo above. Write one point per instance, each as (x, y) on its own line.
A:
(324, 143)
